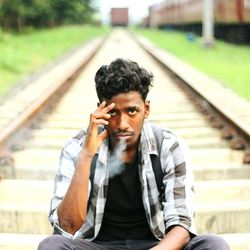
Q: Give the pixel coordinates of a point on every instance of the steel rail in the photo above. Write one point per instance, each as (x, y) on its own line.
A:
(59, 78)
(192, 79)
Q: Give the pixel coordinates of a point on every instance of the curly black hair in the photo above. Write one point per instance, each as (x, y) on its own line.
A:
(122, 76)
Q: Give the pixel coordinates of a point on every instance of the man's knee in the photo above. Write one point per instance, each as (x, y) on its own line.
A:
(45, 244)
(54, 242)
(208, 242)
(215, 242)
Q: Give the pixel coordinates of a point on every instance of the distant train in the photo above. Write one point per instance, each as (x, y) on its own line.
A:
(231, 18)
(119, 17)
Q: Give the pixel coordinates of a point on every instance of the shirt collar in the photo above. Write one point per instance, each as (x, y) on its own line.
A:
(147, 142)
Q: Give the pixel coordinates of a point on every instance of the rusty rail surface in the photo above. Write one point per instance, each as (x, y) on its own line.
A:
(60, 79)
(233, 127)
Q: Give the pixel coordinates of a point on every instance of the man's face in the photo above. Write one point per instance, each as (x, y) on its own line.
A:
(127, 118)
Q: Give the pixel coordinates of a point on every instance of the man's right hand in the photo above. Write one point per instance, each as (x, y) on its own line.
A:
(72, 211)
(93, 139)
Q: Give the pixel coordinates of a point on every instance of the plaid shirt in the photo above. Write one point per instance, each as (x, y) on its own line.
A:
(176, 208)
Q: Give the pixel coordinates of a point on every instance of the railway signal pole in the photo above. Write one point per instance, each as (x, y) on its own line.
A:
(208, 23)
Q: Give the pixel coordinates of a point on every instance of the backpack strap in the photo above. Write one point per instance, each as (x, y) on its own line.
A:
(92, 169)
(91, 177)
(155, 159)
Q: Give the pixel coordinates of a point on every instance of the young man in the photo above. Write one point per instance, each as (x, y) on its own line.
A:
(106, 193)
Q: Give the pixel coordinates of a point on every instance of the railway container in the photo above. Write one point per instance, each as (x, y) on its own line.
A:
(119, 17)
(231, 17)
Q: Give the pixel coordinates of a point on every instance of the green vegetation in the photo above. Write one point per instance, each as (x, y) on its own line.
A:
(24, 48)
(22, 54)
(19, 14)
(227, 62)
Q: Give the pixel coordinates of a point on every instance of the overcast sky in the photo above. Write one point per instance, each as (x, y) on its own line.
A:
(137, 8)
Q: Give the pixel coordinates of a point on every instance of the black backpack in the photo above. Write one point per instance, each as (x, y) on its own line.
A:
(156, 163)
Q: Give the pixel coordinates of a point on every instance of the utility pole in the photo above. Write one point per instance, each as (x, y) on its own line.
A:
(208, 24)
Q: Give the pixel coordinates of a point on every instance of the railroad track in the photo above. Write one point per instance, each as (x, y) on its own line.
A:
(222, 180)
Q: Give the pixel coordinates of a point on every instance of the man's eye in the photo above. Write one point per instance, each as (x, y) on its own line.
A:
(112, 112)
(132, 111)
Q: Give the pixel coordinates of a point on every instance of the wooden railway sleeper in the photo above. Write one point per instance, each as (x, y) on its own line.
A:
(246, 158)
(7, 165)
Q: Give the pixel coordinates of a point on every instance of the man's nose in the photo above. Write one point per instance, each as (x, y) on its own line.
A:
(123, 123)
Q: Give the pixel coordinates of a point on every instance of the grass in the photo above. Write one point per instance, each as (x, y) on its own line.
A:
(22, 54)
(226, 62)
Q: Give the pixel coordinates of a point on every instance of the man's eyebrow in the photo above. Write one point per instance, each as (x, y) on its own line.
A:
(133, 107)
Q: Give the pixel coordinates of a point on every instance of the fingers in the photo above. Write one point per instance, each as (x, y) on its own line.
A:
(101, 115)
(101, 106)
(99, 118)
(103, 135)
(101, 121)
(105, 109)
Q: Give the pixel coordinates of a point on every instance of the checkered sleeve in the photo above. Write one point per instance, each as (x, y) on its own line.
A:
(178, 181)
(67, 164)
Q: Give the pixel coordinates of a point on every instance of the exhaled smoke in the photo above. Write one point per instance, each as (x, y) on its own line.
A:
(116, 166)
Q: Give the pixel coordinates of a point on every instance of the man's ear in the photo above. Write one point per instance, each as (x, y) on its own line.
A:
(147, 109)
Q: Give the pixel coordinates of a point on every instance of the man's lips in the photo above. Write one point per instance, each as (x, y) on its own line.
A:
(123, 134)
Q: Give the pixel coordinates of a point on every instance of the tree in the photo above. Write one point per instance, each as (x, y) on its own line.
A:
(74, 11)
(17, 14)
